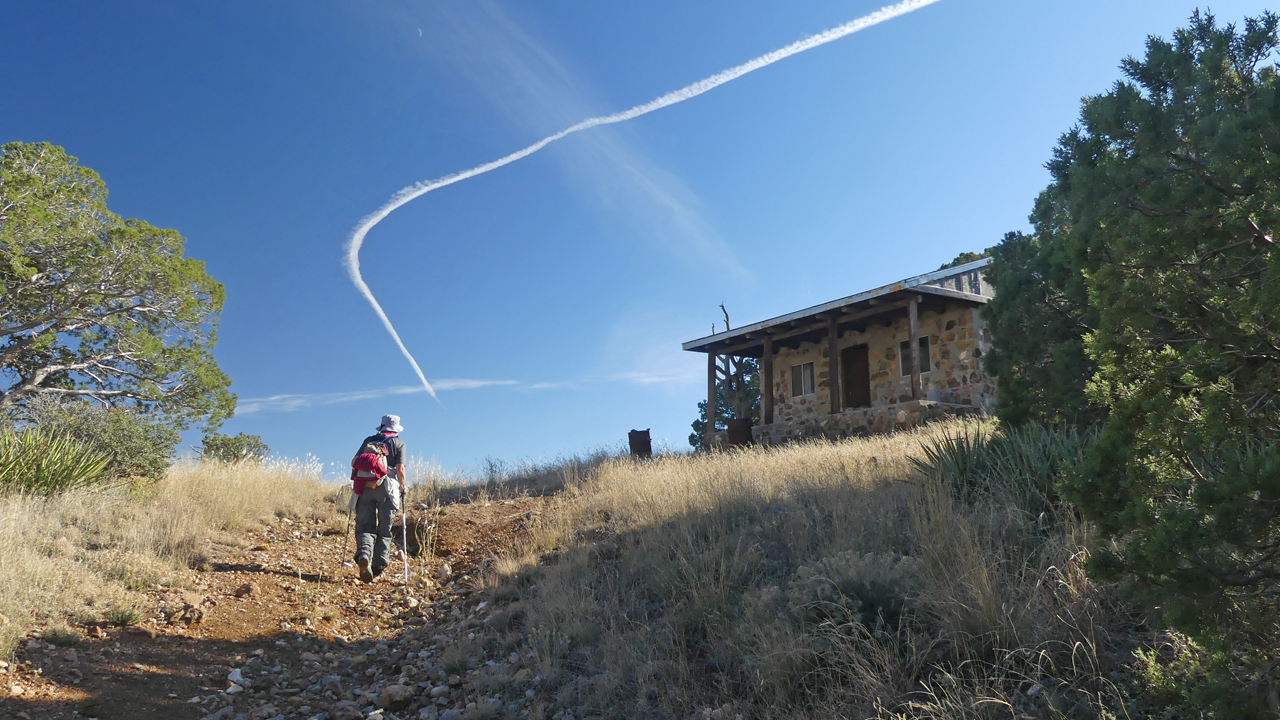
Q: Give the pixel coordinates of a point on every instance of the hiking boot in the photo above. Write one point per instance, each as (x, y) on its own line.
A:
(363, 564)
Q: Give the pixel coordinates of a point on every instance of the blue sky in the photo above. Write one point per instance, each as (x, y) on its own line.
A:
(547, 300)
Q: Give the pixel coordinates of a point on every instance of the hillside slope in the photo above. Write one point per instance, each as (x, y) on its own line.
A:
(812, 581)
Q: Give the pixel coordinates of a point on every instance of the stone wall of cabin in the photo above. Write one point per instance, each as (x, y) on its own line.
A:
(957, 342)
(857, 422)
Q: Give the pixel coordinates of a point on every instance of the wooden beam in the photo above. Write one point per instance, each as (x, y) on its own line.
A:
(766, 381)
(833, 363)
(851, 315)
(913, 324)
(737, 349)
(792, 328)
(711, 401)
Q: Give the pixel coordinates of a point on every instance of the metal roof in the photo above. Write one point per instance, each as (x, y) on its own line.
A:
(918, 284)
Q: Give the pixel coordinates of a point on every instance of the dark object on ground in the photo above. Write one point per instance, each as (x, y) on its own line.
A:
(739, 431)
(641, 443)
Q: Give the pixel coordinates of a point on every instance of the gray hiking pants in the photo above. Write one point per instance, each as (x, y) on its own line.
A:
(375, 511)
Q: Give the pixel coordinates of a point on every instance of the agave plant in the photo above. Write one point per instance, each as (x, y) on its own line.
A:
(47, 463)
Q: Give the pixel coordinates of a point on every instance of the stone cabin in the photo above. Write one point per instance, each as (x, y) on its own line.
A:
(885, 359)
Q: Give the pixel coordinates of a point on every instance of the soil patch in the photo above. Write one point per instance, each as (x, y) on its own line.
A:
(277, 597)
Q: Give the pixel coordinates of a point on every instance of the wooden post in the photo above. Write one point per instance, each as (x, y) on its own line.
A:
(766, 381)
(913, 324)
(711, 400)
(833, 363)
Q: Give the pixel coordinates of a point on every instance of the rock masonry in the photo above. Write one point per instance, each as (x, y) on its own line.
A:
(955, 383)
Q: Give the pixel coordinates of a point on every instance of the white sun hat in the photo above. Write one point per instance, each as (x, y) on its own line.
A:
(390, 423)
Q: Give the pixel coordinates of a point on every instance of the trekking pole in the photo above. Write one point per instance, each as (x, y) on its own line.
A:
(404, 535)
(346, 534)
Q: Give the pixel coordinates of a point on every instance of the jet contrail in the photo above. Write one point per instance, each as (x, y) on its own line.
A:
(417, 190)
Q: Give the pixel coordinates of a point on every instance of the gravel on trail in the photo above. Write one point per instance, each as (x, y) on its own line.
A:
(276, 626)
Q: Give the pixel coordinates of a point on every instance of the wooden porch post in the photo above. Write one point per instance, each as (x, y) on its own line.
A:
(711, 400)
(913, 324)
(833, 363)
(766, 381)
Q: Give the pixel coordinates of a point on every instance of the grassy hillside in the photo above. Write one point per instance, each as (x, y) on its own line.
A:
(815, 580)
(908, 576)
(84, 555)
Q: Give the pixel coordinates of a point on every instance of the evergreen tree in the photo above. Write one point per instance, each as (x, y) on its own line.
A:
(96, 306)
(1148, 298)
(733, 399)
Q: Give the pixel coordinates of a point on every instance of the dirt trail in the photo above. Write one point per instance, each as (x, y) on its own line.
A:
(282, 596)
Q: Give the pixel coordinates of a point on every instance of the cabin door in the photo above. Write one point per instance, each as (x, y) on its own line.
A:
(855, 377)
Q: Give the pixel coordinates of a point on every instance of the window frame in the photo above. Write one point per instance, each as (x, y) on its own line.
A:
(803, 382)
(904, 356)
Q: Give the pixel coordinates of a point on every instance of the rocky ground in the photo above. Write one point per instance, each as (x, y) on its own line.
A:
(275, 625)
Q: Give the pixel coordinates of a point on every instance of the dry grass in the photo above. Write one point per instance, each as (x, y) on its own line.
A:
(84, 556)
(815, 580)
(430, 484)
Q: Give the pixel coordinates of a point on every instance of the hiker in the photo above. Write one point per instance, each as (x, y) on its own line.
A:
(378, 502)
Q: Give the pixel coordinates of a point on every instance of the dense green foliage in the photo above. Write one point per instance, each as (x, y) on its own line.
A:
(45, 463)
(1039, 317)
(93, 305)
(966, 257)
(233, 448)
(731, 399)
(137, 446)
(1148, 299)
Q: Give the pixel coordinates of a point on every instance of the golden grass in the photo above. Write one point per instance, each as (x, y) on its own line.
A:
(79, 556)
(813, 580)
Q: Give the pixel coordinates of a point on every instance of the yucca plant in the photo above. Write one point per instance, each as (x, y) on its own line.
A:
(1020, 464)
(959, 461)
(1027, 463)
(47, 463)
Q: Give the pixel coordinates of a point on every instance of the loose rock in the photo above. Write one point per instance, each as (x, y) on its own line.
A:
(347, 710)
(395, 697)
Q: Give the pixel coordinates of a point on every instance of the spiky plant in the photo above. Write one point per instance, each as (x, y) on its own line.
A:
(47, 463)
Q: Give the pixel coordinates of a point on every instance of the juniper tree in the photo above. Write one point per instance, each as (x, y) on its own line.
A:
(1153, 281)
(96, 306)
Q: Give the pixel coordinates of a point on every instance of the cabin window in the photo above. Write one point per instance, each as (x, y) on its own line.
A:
(904, 356)
(802, 379)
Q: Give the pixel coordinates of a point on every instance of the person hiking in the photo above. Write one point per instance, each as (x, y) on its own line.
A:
(376, 505)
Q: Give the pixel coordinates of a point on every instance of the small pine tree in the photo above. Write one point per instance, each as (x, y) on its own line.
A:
(737, 396)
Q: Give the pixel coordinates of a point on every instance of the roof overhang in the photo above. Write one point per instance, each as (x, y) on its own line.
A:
(882, 303)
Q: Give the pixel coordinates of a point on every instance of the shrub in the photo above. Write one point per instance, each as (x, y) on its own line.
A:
(135, 445)
(47, 463)
(121, 616)
(233, 448)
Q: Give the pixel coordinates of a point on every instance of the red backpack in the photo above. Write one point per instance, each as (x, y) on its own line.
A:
(368, 466)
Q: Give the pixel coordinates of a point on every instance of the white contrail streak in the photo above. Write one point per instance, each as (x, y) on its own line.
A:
(690, 91)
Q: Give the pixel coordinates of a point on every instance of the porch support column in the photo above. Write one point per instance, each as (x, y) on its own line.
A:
(711, 400)
(913, 325)
(766, 381)
(833, 363)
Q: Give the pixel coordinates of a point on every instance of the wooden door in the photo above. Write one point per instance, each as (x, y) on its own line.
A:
(855, 377)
